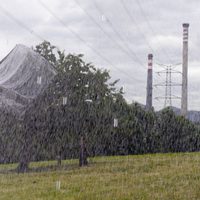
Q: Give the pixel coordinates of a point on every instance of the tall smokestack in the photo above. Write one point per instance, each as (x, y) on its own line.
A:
(149, 82)
(184, 99)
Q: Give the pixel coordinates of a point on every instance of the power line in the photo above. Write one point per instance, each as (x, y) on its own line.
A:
(110, 37)
(150, 27)
(132, 19)
(83, 41)
(21, 24)
(9, 15)
(118, 34)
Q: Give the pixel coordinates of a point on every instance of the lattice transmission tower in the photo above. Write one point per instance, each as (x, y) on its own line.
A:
(168, 84)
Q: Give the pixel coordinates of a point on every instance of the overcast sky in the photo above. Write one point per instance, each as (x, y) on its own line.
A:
(114, 34)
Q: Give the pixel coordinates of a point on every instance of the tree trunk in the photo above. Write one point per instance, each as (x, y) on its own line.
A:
(59, 159)
(22, 167)
(24, 158)
(83, 153)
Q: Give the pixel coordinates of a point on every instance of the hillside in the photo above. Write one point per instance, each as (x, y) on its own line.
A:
(143, 177)
(23, 75)
(193, 116)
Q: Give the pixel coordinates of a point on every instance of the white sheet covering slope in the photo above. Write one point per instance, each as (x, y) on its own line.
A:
(20, 71)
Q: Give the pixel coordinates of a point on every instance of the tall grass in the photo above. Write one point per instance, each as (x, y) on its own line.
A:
(143, 177)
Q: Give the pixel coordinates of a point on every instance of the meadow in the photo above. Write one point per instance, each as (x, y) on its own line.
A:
(135, 177)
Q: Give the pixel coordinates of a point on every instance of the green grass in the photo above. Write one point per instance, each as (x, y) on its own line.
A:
(143, 177)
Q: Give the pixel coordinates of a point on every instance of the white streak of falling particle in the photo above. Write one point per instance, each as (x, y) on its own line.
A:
(115, 122)
(39, 80)
(64, 100)
(57, 185)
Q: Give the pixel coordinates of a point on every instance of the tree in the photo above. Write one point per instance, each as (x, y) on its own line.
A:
(46, 50)
(176, 134)
(85, 89)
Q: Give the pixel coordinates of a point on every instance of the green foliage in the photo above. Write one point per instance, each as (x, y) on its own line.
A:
(58, 127)
(47, 51)
(52, 129)
(178, 133)
(88, 111)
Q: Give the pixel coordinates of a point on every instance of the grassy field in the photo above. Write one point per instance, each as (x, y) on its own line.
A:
(144, 177)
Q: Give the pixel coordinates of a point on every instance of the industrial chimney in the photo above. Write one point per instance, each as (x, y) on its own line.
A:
(149, 82)
(184, 99)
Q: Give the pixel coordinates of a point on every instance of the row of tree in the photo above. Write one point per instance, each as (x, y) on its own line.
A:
(74, 118)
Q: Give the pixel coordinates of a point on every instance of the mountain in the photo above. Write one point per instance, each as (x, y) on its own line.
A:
(24, 74)
(192, 115)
